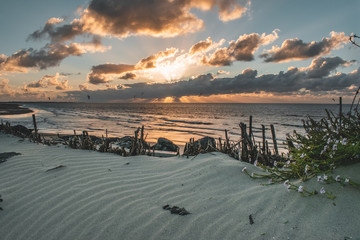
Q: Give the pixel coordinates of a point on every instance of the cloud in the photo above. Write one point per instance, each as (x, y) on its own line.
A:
(103, 73)
(242, 49)
(296, 49)
(49, 56)
(201, 46)
(222, 72)
(290, 82)
(48, 81)
(172, 62)
(25, 94)
(128, 76)
(58, 33)
(161, 18)
(150, 62)
(84, 87)
(321, 67)
(5, 89)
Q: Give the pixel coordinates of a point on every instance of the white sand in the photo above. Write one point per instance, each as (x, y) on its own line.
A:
(99, 196)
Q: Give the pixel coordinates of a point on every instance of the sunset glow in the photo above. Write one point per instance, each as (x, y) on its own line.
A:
(180, 51)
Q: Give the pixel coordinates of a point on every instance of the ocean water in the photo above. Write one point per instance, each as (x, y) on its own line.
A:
(175, 121)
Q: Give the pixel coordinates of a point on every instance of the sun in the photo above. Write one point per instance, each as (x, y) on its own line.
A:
(171, 70)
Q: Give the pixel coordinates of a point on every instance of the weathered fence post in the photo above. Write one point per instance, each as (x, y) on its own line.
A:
(340, 111)
(250, 126)
(274, 140)
(37, 138)
(227, 141)
(263, 139)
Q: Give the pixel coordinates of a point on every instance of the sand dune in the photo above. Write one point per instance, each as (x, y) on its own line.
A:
(105, 196)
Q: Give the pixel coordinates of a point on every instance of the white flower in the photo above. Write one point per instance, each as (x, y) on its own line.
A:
(337, 141)
(343, 141)
(322, 151)
(328, 141)
(325, 147)
(335, 147)
(337, 178)
(322, 191)
(347, 180)
(290, 157)
(255, 163)
(287, 162)
(320, 179)
(301, 189)
(286, 183)
(288, 187)
(325, 177)
(303, 155)
(244, 169)
(275, 163)
(331, 155)
(307, 168)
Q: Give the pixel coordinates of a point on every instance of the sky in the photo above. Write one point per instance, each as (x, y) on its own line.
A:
(217, 51)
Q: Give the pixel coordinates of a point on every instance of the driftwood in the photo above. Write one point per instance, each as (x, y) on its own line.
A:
(245, 149)
(54, 168)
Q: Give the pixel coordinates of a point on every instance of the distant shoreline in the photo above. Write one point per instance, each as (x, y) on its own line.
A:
(13, 109)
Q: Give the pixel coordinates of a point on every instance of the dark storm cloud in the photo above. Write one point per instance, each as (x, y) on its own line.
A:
(296, 49)
(289, 82)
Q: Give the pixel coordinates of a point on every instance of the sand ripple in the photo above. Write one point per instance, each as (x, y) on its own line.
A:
(104, 196)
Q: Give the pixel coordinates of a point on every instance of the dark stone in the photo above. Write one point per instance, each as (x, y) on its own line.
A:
(5, 155)
(205, 142)
(251, 219)
(22, 131)
(126, 141)
(176, 210)
(164, 144)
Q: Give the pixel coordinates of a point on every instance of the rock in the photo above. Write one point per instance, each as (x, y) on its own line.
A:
(125, 142)
(21, 131)
(205, 142)
(176, 210)
(164, 144)
(5, 155)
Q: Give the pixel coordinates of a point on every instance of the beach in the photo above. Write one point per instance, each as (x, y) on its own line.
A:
(54, 192)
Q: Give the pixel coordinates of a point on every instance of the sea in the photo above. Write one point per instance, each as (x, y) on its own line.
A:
(177, 122)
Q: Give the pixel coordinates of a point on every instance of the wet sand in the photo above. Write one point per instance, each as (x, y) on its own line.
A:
(13, 109)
